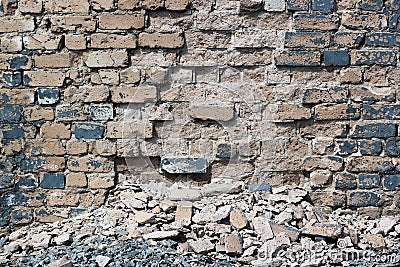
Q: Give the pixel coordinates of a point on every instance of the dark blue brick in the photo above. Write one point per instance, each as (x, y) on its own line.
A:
(364, 199)
(48, 96)
(298, 5)
(378, 130)
(339, 199)
(21, 216)
(384, 39)
(31, 164)
(10, 113)
(381, 111)
(393, 5)
(371, 5)
(225, 151)
(18, 62)
(6, 181)
(322, 5)
(27, 181)
(89, 130)
(259, 187)
(13, 132)
(12, 79)
(336, 58)
(394, 22)
(345, 181)
(391, 182)
(393, 147)
(10, 199)
(4, 214)
(368, 180)
(370, 147)
(53, 180)
(346, 147)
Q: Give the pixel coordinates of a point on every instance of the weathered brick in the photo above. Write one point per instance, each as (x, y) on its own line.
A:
(331, 163)
(76, 179)
(44, 78)
(17, 96)
(212, 112)
(37, 113)
(378, 130)
(371, 94)
(105, 76)
(307, 39)
(47, 147)
(48, 96)
(250, 5)
(76, 147)
(90, 163)
(11, 43)
(53, 181)
(16, 24)
(140, 94)
(130, 130)
(298, 5)
(184, 165)
(297, 58)
(348, 39)
(320, 179)
(55, 130)
(127, 148)
(368, 180)
(322, 5)
(73, 23)
(377, 76)
(47, 164)
(89, 130)
(351, 75)
(42, 41)
(289, 112)
(128, 4)
(101, 59)
(130, 75)
(62, 198)
(161, 40)
(104, 148)
(330, 95)
(322, 146)
(176, 5)
(220, 20)
(87, 94)
(121, 21)
(345, 181)
(59, 60)
(391, 182)
(70, 6)
(393, 147)
(101, 180)
(70, 113)
(336, 58)
(364, 22)
(15, 62)
(10, 113)
(383, 39)
(30, 6)
(274, 5)
(101, 112)
(370, 147)
(316, 22)
(346, 147)
(363, 199)
(108, 40)
(370, 5)
(13, 131)
(369, 164)
(337, 112)
(152, 4)
(12, 79)
(21, 216)
(381, 111)
(102, 4)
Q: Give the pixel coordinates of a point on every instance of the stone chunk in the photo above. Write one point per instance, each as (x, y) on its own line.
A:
(160, 234)
(102, 261)
(274, 5)
(233, 244)
(262, 228)
(184, 165)
(376, 241)
(331, 230)
(63, 239)
(238, 219)
(202, 245)
(291, 232)
(184, 194)
(143, 217)
(40, 240)
(184, 212)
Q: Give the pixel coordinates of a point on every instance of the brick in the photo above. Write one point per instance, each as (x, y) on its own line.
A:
(364, 22)
(184, 165)
(12, 79)
(6, 181)
(241, 58)
(13, 131)
(152, 4)
(62, 198)
(336, 58)
(337, 112)
(381, 39)
(140, 94)
(331, 163)
(70, 113)
(44, 78)
(348, 39)
(105, 76)
(101, 112)
(89, 130)
(364, 199)
(220, 20)
(76, 179)
(351, 75)
(381, 111)
(15, 62)
(315, 22)
(17, 96)
(377, 76)
(16, 24)
(59, 60)
(176, 5)
(391, 182)
(346, 147)
(394, 22)
(298, 5)
(75, 42)
(73, 23)
(121, 21)
(101, 181)
(104, 148)
(130, 75)
(297, 58)
(46, 147)
(161, 40)
(345, 181)
(11, 44)
(108, 40)
(212, 112)
(70, 6)
(373, 130)
(322, 145)
(127, 148)
(87, 94)
(103, 4)
(369, 164)
(128, 4)
(322, 5)
(55, 130)
(10, 113)
(371, 94)
(90, 163)
(21, 216)
(393, 146)
(250, 5)
(274, 5)
(30, 6)
(48, 96)
(42, 41)
(330, 95)
(37, 113)
(256, 38)
(369, 181)
(77, 147)
(320, 179)
(307, 39)
(370, 5)
(289, 112)
(53, 181)
(130, 130)
(101, 59)
(370, 147)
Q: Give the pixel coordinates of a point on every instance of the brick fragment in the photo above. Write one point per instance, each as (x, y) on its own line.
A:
(12, 79)
(320, 179)
(184, 165)
(102, 4)
(316, 22)
(371, 5)
(116, 41)
(102, 59)
(152, 4)
(10, 113)
(121, 21)
(37, 113)
(346, 147)
(44, 78)
(42, 41)
(351, 75)
(345, 181)
(250, 5)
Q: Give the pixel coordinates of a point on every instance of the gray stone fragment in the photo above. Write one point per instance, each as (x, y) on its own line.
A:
(184, 165)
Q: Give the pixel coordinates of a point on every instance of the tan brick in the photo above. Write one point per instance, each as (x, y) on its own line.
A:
(45, 147)
(105, 76)
(16, 24)
(30, 6)
(337, 112)
(17, 96)
(104, 148)
(140, 94)
(176, 5)
(152, 4)
(37, 113)
(316, 22)
(121, 21)
(101, 180)
(15, 62)
(361, 93)
(77, 147)
(126, 129)
(73, 23)
(367, 21)
(130, 75)
(42, 41)
(75, 42)
(101, 59)
(161, 40)
(127, 147)
(55, 130)
(62, 198)
(288, 112)
(307, 39)
(13, 147)
(323, 162)
(11, 44)
(108, 40)
(59, 60)
(67, 6)
(86, 94)
(44, 78)
(90, 163)
(102, 4)
(75, 179)
(128, 4)
(212, 112)
(53, 164)
(351, 75)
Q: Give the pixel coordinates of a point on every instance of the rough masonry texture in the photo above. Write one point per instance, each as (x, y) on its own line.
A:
(271, 93)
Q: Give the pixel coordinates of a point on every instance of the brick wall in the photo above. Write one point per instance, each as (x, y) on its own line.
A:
(96, 92)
